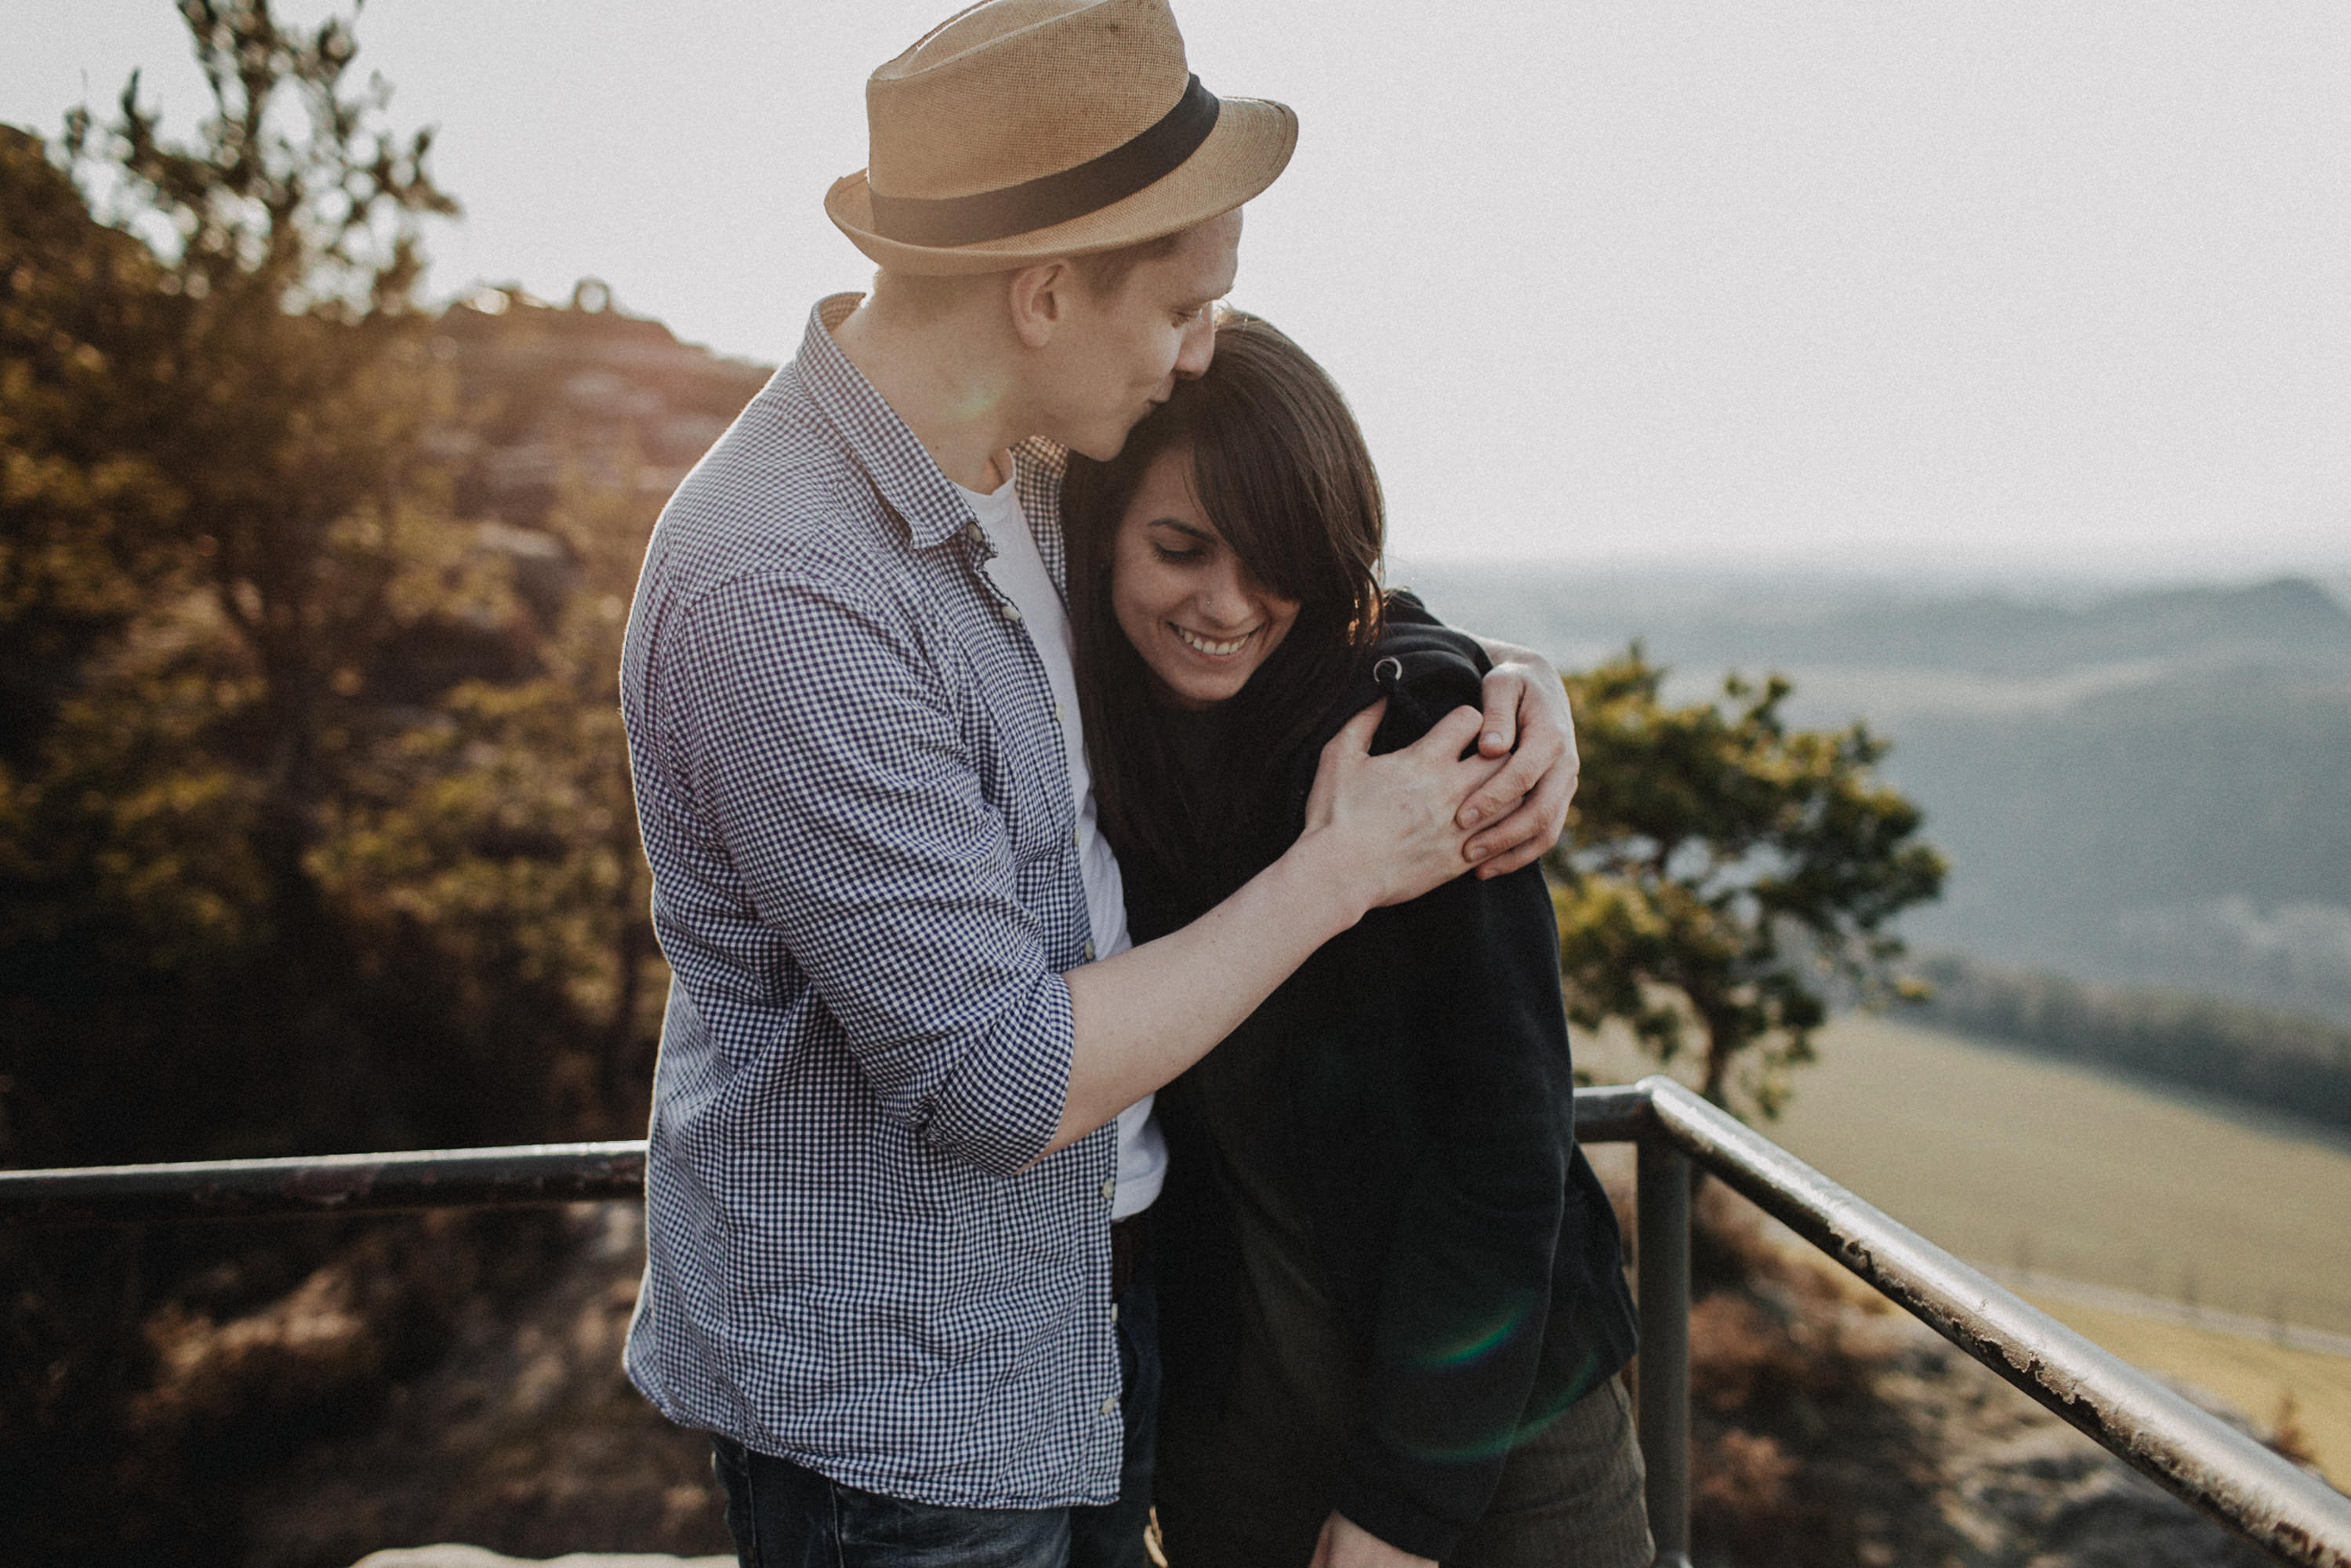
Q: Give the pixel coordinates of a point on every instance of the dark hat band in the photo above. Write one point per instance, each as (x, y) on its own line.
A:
(1039, 203)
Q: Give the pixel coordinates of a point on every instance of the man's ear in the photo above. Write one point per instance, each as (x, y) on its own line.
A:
(1038, 297)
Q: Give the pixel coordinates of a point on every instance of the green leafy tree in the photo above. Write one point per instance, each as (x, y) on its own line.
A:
(505, 827)
(1728, 875)
(84, 518)
(296, 387)
(231, 592)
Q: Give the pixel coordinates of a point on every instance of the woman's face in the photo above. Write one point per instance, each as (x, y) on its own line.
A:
(1202, 623)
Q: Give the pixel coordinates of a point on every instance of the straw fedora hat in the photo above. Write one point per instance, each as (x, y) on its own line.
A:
(1020, 130)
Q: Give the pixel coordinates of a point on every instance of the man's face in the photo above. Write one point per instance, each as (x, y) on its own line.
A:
(1115, 357)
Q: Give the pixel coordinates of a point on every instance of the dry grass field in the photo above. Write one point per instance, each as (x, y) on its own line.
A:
(2024, 1164)
(2252, 1374)
(2027, 1163)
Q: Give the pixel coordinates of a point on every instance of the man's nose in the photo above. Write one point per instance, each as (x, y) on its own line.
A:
(1200, 347)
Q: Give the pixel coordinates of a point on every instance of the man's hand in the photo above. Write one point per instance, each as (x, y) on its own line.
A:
(1526, 802)
(1346, 1544)
(1379, 830)
(1389, 826)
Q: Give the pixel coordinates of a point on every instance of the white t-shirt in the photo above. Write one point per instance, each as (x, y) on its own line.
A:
(1019, 572)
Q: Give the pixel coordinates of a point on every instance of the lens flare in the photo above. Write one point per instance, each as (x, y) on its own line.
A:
(1532, 1421)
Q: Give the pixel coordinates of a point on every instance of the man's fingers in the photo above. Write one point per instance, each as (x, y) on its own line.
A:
(1522, 837)
(1504, 688)
(1517, 839)
(1501, 794)
(1450, 736)
(1354, 737)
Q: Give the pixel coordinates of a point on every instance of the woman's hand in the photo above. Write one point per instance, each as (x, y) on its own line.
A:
(1526, 709)
(1382, 828)
(1346, 1544)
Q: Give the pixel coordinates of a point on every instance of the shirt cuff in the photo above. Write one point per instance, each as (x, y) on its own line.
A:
(1001, 1106)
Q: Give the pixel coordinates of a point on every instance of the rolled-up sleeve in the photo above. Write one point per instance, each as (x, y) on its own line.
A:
(820, 742)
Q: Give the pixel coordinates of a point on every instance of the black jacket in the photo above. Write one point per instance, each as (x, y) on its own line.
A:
(1429, 1144)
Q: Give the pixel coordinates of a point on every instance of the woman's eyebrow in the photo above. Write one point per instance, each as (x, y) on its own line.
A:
(1189, 530)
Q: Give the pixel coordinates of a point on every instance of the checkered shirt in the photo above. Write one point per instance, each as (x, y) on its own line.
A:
(866, 878)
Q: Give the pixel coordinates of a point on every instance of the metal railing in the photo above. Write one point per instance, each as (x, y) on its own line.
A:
(2281, 1507)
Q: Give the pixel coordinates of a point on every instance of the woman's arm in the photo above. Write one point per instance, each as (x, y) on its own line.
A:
(1468, 977)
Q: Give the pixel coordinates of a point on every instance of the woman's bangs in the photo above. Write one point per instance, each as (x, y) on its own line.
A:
(1250, 474)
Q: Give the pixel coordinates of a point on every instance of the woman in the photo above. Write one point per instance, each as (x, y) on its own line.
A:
(1394, 1303)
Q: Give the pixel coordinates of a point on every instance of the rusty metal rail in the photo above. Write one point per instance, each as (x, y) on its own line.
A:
(325, 1184)
(2273, 1502)
(2286, 1510)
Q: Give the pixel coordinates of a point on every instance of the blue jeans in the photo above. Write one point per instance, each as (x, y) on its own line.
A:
(784, 1515)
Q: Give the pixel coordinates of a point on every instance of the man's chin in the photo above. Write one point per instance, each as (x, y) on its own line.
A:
(1102, 447)
(1104, 444)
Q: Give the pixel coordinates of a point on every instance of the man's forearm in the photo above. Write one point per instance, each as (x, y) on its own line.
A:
(1379, 830)
(1148, 1013)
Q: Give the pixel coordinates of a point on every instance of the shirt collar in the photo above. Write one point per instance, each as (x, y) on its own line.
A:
(903, 470)
(909, 480)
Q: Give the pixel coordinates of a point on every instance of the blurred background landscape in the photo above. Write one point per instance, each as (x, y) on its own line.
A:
(1989, 379)
(2134, 784)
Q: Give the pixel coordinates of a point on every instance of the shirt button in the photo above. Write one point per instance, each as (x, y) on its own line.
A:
(971, 532)
(1074, 838)
(1110, 1405)
(1088, 951)
(1058, 716)
(1110, 1189)
(1012, 612)
(1113, 1311)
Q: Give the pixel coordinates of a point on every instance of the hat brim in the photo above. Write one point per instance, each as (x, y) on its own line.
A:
(1246, 152)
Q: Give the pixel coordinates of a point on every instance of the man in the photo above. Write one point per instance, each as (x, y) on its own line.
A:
(900, 1136)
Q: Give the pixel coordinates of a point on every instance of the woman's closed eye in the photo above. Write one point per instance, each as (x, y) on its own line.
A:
(1180, 543)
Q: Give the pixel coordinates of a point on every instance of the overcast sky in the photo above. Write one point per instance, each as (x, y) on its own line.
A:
(1976, 286)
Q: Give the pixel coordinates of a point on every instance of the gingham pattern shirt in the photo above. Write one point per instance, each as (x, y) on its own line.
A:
(866, 880)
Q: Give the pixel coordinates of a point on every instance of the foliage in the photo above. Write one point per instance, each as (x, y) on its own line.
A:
(290, 404)
(313, 822)
(83, 515)
(1724, 870)
(504, 825)
(2261, 1056)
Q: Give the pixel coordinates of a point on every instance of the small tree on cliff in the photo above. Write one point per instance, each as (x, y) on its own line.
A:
(290, 412)
(1724, 870)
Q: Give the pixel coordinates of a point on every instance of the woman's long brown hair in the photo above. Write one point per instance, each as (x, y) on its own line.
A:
(1281, 470)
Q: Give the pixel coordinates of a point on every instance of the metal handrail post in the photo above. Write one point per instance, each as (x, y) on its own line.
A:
(1662, 1258)
(2228, 1474)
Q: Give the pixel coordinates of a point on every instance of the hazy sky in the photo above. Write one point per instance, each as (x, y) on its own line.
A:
(1798, 282)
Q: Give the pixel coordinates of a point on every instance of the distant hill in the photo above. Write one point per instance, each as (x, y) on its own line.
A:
(2146, 786)
(1802, 621)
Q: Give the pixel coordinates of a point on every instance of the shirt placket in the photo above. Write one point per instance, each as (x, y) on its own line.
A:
(1105, 1425)
(978, 550)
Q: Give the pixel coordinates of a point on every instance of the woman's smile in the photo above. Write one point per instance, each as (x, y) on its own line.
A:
(1201, 642)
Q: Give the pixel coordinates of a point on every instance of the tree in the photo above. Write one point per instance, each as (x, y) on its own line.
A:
(290, 230)
(314, 827)
(84, 518)
(506, 828)
(1725, 871)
